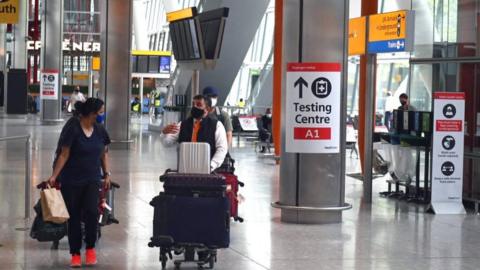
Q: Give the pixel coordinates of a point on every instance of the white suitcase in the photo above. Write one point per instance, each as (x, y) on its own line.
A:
(194, 158)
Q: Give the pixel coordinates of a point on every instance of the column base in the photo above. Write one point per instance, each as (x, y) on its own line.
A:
(311, 215)
(48, 122)
(121, 145)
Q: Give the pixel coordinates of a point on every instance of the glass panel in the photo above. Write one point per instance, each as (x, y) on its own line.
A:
(154, 64)
(353, 85)
(424, 21)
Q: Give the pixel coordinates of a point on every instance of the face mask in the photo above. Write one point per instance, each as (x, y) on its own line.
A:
(214, 102)
(100, 118)
(269, 115)
(196, 113)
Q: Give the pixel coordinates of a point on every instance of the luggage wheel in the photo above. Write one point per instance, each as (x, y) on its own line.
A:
(163, 258)
(239, 219)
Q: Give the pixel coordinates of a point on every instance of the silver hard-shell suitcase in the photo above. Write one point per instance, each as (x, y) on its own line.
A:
(194, 158)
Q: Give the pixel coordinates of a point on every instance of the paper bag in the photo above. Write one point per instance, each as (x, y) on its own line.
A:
(53, 206)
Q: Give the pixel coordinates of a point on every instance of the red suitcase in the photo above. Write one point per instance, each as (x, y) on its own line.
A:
(232, 193)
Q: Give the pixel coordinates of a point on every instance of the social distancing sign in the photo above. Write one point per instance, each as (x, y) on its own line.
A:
(448, 148)
(313, 98)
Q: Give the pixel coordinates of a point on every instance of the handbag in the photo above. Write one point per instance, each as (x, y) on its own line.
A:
(53, 206)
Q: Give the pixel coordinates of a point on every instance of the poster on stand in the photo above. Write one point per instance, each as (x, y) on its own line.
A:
(313, 99)
(49, 85)
(448, 147)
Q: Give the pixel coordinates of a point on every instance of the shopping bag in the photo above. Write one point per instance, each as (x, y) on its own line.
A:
(46, 231)
(53, 206)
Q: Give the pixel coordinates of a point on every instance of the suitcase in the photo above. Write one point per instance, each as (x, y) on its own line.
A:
(189, 184)
(232, 194)
(194, 158)
(192, 220)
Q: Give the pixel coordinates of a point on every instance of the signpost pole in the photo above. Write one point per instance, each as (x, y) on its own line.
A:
(369, 128)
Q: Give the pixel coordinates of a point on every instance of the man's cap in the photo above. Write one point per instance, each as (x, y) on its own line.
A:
(210, 91)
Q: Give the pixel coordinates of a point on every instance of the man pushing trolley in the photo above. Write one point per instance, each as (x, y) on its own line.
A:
(192, 214)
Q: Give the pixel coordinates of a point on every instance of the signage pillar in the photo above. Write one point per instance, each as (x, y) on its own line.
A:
(312, 167)
(51, 60)
(448, 148)
(115, 70)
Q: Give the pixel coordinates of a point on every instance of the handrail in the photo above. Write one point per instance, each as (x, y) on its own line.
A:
(28, 168)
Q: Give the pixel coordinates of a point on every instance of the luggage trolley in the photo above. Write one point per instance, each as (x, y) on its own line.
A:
(106, 208)
(191, 216)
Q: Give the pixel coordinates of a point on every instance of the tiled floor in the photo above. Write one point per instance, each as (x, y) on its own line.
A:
(385, 235)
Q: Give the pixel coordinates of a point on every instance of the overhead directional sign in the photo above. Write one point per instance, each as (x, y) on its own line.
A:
(357, 36)
(391, 32)
(313, 107)
(9, 11)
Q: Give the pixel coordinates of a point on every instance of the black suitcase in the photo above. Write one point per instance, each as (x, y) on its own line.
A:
(192, 220)
(185, 184)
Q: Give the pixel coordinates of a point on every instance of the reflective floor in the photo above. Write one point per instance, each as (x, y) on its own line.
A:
(385, 235)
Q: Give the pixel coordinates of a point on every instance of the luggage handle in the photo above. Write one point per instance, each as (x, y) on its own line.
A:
(167, 171)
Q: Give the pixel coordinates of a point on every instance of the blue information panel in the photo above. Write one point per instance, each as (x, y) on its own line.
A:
(396, 45)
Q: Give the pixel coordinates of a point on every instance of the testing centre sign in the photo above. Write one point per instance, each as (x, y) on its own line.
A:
(391, 32)
(448, 147)
(313, 107)
(49, 85)
(9, 10)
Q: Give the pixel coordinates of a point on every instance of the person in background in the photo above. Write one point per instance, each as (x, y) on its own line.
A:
(199, 128)
(405, 103)
(390, 105)
(75, 97)
(215, 112)
(156, 102)
(136, 106)
(265, 129)
(81, 157)
(241, 103)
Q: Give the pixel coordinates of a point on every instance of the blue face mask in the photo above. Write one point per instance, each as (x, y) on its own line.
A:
(101, 118)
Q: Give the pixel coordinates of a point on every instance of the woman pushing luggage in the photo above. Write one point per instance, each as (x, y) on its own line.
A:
(83, 155)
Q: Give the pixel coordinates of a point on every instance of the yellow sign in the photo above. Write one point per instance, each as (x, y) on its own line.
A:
(387, 26)
(181, 14)
(152, 53)
(9, 10)
(96, 63)
(357, 36)
(80, 77)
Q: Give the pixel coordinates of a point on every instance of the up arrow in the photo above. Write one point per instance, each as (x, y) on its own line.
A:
(301, 83)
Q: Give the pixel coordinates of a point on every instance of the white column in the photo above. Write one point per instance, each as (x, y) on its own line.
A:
(139, 23)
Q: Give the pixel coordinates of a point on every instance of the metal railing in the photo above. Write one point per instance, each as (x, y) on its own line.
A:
(28, 168)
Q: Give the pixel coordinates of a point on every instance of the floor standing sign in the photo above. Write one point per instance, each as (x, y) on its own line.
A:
(447, 163)
(49, 85)
(313, 108)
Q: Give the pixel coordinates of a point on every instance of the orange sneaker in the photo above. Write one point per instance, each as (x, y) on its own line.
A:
(76, 261)
(91, 257)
